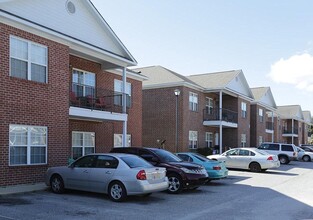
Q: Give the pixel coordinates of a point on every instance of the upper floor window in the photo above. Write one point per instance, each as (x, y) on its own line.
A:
(243, 109)
(209, 139)
(261, 115)
(84, 83)
(83, 143)
(28, 145)
(28, 60)
(193, 101)
(209, 105)
(118, 89)
(193, 139)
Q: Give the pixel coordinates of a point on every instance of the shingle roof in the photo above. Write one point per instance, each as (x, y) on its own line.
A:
(259, 92)
(290, 111)
(307, 116)
(215, 80)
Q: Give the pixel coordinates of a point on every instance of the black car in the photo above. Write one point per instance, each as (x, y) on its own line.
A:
(181, 175)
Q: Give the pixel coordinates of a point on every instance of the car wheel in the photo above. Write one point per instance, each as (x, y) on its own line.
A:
(175, 183)
(283, 160)
(306, 158)
(57, 184)
(255, 167)
(117, 191)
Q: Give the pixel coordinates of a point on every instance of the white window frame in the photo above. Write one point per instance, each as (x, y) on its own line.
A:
(243, 110)
(261, 118)
(260, 140)
(83, 146)
(118, 90)
(28, 144)
(29, 59)
(84, 83)
(118, 140)
(193, 139)
(243, 140)
(193, 101)
(209, 139)
(209, 105)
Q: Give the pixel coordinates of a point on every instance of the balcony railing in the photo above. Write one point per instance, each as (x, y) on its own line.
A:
(213, 114)
(290, 131)
(97, 99)
(270, 125)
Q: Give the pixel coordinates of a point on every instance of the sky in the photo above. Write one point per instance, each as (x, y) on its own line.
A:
(270, 41)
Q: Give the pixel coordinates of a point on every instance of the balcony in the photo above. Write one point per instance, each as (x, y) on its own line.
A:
(269, 127)
(89, 103)
(290, 132)
(211, 117)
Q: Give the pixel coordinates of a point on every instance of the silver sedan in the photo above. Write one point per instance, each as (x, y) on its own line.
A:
(118, 175)
(251, 159)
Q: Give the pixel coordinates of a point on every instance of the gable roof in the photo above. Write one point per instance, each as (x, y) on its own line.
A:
(307, 117)
(290, 112)
(80, 26)
(159, 77)
(233, 81)
(264, 97)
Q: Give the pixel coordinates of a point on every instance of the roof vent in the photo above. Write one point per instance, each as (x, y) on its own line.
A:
(70, 7)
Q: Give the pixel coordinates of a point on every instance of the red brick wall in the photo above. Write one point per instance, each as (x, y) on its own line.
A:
(258, 128)
(26, 102)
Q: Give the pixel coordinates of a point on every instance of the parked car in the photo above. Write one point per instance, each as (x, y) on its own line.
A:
(118, 175)
(247, 158)
(307, 147)
(305, 156)
(215, 169)
(285, 152)
(181, 175)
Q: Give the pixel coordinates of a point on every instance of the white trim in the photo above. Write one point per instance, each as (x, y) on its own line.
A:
(130, 75)
(95, 115)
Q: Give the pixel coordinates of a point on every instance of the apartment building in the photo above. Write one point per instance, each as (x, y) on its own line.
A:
(65, 87)
(200, 111)
(263, 109)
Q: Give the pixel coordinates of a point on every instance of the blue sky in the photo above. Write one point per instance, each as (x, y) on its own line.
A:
(271, 41)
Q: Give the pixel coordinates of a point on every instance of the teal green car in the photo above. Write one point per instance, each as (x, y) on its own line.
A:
(215, 169)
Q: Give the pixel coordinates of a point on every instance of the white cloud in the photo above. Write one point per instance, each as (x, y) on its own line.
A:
(296, 70)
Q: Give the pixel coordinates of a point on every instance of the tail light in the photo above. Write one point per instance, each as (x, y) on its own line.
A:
(270, 158)
(141, 175)
(217, 168)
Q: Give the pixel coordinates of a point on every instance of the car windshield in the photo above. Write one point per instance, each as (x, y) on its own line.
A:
(166, 156)
(134, 161)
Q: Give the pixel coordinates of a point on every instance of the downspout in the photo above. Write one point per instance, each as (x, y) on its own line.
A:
(124, 136)
(221, 126)
(292, 130)
(273, 126)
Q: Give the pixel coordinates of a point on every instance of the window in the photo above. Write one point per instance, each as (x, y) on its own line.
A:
(193, 139)
(209, 139)
(286, 147)
(28, 145)
(83, 143)
(260, 140)
(28, 60)
(86, 162)
(84, 83)
(243, 109)
(104, 161)
(118, 89)
(244, 152)
(209, 105)
(261, 115)
(243, 140)
(118, 140)
(193, 101)
(269, 147)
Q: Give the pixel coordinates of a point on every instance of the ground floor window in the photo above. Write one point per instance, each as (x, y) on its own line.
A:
(28, 145)
(193, 139)
(118, 140)
(83, 143)
(209, 139)
(260, 140)
(243, 140)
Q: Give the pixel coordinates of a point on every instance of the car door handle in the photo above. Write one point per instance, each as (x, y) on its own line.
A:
(108, 172)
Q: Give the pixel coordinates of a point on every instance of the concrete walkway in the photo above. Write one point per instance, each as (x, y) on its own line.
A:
(22, 188)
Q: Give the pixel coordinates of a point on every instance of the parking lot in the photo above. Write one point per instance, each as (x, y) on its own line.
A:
(286, 193)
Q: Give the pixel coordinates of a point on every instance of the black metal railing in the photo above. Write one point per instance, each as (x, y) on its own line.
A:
(270, 125)
(290, 131)
(97, 99)
(213, 114)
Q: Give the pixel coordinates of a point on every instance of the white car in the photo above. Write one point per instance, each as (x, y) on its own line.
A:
(251, 159)
(303, 155)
